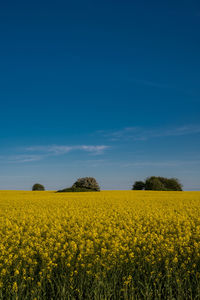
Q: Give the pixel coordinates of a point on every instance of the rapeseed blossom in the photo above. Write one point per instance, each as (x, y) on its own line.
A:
(107, 244)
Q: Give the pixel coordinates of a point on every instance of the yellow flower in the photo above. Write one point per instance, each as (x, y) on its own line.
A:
(15, 287)
(16, 272)
(111, 232)
(175, 259)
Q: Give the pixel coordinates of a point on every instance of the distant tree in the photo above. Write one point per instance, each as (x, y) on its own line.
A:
(138, 185)
(38, 187)
(171, 184)
(85, 184)
(157, 183)
(153, 183)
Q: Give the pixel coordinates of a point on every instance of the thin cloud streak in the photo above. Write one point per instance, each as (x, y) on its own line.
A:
(160, 85)
(37, 153)
(62, 149)
(161, 164)
(151, 83)
(142, 134)
(23, 158)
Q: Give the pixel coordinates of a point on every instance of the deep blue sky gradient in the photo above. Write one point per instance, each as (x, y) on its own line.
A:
(124, 75)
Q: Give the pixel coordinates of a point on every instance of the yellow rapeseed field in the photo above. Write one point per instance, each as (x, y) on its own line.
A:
(100, 245)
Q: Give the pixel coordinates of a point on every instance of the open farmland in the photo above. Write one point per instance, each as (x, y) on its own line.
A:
(103, 245)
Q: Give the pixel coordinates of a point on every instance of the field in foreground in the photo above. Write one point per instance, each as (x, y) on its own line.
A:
(106, 245)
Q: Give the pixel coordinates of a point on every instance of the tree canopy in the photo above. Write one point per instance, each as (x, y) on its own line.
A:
(158, 183)
(85, 184)
(38, 187)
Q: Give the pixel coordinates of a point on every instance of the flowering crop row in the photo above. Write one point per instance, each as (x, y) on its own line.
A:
(106, 245)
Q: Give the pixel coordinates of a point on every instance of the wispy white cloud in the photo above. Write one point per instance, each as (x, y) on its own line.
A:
(21, 158)
(177, 131)
(37, 153)
(141, 134)
(162, 85)
(161, 164)
(115, 135)
(63, 149)
(52, 150)
(150, 83)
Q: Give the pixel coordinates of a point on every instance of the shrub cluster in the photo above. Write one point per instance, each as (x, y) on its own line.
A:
(85, 184)
(38, 187)
(89, 184)
(139, 185)
(155, 183)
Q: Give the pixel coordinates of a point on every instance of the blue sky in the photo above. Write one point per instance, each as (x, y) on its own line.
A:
(109, 89)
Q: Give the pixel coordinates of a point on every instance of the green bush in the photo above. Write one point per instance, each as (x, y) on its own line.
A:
(157, 183)
(38, 187)
(138, 185)
(162, 184)
(172, 184)
(153, 183)
(76, 190)
(85, 184)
